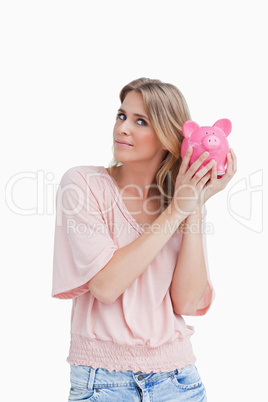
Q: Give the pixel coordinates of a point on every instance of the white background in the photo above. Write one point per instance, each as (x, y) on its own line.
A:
(63, 64)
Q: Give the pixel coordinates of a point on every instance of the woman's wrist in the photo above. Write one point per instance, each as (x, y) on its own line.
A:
(197, 210)
(195, 216)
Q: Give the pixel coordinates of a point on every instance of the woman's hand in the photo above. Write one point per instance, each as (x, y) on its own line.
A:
(214, 185)
(190, 184)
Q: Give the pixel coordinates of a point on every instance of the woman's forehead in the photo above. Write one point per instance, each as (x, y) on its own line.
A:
(134, 102)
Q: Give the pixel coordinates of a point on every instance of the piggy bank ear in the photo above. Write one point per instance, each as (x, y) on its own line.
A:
(225, 125)
(188, 127)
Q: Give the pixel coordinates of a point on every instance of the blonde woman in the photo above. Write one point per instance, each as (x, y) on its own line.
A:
(130, 252)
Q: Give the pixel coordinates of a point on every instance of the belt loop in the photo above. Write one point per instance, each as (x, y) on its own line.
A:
(91, 378)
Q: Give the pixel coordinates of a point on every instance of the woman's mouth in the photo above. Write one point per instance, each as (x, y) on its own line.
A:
(123, 144)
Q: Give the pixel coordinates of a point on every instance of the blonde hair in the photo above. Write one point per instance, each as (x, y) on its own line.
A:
(167, 111)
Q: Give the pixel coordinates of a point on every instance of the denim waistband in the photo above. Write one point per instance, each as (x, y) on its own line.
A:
(92, 378)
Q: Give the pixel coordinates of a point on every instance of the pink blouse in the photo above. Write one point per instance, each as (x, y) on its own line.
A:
(140, 330)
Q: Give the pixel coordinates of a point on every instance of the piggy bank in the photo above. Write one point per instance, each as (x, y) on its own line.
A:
(212, 139)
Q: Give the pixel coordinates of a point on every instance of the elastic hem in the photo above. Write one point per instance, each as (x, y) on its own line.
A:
(111, 356)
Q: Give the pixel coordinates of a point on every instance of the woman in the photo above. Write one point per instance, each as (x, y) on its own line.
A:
(128, 252)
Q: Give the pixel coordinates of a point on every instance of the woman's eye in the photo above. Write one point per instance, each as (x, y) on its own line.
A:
(142, 122)
(121, 116)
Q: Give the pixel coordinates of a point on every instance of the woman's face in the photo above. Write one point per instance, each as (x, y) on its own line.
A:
(133, 127)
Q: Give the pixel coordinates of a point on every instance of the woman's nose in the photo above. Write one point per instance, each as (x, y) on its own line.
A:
(124, 127)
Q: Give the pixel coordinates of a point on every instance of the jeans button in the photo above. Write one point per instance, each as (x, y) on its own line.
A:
(140, 377)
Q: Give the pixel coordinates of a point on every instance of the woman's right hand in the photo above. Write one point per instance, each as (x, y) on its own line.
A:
(189, 183)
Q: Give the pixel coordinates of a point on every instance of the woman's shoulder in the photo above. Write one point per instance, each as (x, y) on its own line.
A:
(85, 174)
(82, 169)
(85, 171)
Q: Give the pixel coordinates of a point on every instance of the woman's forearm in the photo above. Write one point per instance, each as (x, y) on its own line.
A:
(190, 276)
(130, 261)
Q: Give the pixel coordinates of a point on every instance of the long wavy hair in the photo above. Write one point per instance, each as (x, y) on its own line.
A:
(167, 110)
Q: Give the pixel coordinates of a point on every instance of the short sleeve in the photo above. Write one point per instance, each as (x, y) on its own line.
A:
(82, 242)
(209, 295)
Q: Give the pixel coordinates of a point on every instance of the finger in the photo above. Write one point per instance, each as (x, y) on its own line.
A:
(214, 172)
(185, 161)
(229, 169)
(203, 171)
(234, 159)
(229, 172)
(192, 170)
(203, 181)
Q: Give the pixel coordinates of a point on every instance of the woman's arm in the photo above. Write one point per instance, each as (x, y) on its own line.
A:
(129, 262)
(190, 276)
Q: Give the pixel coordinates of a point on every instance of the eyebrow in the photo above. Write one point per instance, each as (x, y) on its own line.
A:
(135, 114)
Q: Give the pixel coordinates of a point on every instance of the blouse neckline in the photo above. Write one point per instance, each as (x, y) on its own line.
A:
(124, 209)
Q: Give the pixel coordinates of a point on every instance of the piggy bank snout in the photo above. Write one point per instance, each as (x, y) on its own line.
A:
(211, 142)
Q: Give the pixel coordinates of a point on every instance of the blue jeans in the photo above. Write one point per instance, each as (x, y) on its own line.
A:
(88, 384)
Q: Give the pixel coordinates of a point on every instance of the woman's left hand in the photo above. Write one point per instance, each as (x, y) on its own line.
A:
(214, 185)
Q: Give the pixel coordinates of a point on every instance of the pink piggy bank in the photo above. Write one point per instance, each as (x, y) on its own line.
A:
(212, 139)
